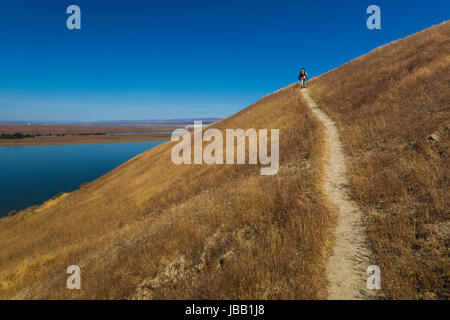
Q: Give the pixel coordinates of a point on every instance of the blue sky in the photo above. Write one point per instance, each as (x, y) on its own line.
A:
(180, 59)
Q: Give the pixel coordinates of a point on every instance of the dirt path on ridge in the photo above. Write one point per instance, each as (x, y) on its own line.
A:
(346, 269)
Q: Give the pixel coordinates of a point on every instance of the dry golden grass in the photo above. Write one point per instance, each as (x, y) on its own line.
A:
(151, 229)
(392, 108)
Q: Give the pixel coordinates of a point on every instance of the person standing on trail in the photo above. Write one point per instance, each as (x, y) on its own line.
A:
(303, 76)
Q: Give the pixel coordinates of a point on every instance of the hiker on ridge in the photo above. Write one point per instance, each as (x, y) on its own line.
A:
(302, 78)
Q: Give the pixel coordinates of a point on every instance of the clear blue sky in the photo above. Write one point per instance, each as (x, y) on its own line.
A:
(146, 59)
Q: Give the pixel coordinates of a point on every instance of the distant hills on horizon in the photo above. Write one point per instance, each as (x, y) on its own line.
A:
(120, 122)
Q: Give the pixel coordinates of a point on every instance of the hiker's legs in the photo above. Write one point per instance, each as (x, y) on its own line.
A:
(303, 83)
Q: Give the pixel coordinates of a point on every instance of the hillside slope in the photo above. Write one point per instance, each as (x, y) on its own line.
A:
(151, 229)
(392, 108)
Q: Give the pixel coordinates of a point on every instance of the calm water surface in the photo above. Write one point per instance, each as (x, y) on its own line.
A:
(30, 175)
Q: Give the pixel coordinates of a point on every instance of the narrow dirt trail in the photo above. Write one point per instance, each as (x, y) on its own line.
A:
(351, 255)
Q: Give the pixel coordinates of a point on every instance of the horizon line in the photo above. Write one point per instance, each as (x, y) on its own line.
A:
(143, 121)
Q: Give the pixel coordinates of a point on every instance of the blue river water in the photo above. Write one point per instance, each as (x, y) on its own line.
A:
(30, 175)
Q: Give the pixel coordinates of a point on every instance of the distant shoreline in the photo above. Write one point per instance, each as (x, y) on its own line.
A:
(73, 140)
(55, 141)
(84, 134)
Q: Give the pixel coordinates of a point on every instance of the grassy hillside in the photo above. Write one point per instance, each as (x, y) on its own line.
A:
(392, 108)
(151, 229)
